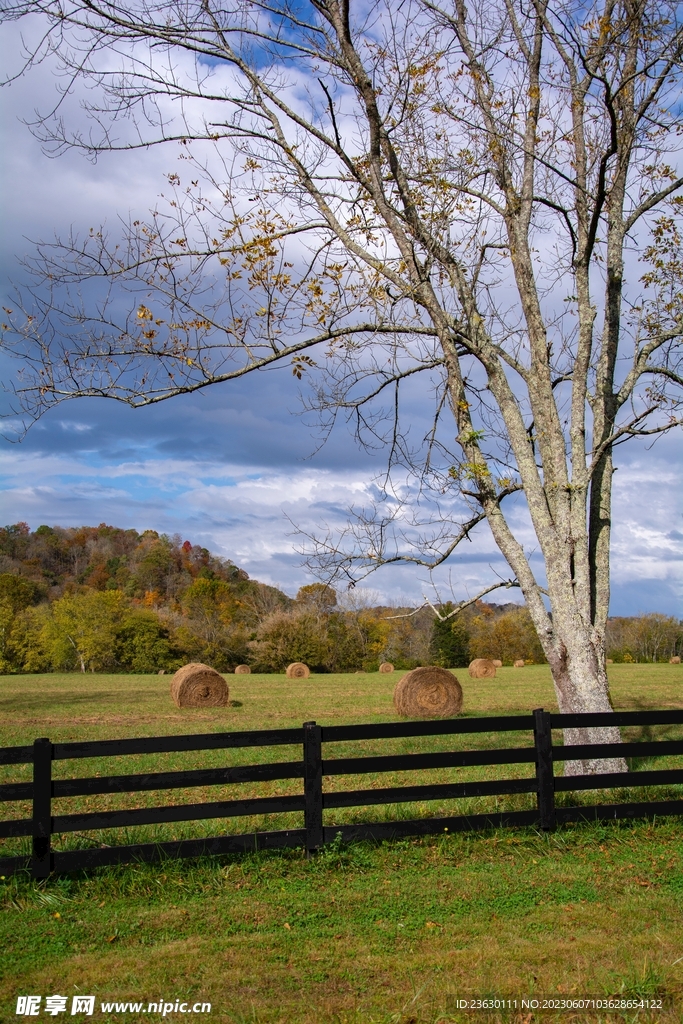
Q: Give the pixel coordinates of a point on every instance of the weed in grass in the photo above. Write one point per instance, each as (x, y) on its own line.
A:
(646, 981)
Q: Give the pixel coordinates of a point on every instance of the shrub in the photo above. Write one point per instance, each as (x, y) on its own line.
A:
(510, 637)
(285, 637)
(144, 644)
(81, 629)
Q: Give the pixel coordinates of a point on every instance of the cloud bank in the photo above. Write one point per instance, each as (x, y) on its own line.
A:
(233, 468)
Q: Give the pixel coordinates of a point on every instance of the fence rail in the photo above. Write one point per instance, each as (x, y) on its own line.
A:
(313, 800)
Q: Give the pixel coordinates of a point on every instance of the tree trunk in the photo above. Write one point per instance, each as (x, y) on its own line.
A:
(78, 653)
(575, 649)
(581, 687)
(576, 655)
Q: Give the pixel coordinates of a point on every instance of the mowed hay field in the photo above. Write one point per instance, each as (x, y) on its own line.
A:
(398, 932)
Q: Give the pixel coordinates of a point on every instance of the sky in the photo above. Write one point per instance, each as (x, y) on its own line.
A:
(234, 466)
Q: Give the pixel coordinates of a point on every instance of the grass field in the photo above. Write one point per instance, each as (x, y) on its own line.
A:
(391, 933)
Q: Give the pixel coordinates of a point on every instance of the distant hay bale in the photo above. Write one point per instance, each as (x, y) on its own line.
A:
(386, 666)
(519, 663)
(482, 668)
(161, 672)
(242, 670)
(675, 660)
(428, 693)
(297, 670)
(609, 661)
(198, 686)
(497, 662)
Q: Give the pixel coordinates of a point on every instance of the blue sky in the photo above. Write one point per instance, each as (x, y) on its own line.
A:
(231, 467)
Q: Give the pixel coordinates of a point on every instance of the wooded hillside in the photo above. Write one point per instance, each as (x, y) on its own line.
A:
(106, 599)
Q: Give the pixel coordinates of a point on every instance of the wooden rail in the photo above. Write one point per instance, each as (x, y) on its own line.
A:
(313, 800)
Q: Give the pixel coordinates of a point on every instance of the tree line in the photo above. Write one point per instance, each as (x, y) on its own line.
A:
(105, 599)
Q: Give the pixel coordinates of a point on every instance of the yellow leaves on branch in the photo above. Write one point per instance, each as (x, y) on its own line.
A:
(475, 471)
(665, 256)
(419, 73)
(335, 270)
(145, 315)
(300, 364)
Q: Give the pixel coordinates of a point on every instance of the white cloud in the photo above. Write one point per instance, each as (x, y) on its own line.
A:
(238, 507)
(648, 534)
(245, 513)
(74, 427)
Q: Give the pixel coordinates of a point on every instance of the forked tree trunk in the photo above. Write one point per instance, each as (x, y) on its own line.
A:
(572, 634)
(78, 653)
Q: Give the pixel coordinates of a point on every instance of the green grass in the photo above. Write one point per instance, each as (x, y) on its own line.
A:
(395, 933)
(88, 706)
(388, 933)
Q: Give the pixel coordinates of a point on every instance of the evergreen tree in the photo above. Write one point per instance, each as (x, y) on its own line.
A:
(450, 642)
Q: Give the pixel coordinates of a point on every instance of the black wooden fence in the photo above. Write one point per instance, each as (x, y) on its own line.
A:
(313, 800)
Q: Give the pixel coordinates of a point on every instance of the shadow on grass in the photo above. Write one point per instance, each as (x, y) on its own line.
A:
(42, 701)
(650, 734)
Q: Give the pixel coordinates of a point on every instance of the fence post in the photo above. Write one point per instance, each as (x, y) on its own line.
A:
(313, 786)
(41, 861)
(545, 792)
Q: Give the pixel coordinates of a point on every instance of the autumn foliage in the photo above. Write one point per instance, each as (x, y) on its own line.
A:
(105, 599)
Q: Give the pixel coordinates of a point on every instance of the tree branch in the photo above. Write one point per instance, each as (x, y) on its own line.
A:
(506, 584)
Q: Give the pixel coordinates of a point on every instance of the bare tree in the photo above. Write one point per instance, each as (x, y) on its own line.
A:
(379, 191)
(653, 637)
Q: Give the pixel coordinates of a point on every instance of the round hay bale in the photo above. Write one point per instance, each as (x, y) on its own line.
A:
(482, 668)
(497, 662)
(297, 670)
(428, 693)
(198, 686)
(242, 670)
(609, 661)
(161, 672)
(519, 663)
(386, 666)
(675, 660)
